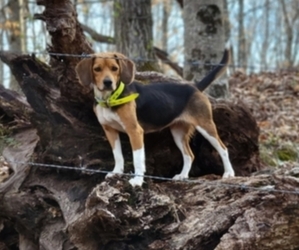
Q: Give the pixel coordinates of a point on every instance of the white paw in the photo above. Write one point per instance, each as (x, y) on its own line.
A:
(180, 177)
(136, 181)
(228, 174)
(112, 174)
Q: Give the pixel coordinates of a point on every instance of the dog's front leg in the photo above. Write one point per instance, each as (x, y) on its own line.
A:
(135, 133)
(128, 117)
(113, 138)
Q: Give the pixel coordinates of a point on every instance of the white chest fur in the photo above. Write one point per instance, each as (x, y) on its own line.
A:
(107, 117)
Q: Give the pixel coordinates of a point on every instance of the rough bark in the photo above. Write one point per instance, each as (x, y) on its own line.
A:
(44, 208)
(266, 39)
(226, 20)
(15, 32)
(165, 16)
(288, 23)
(242, 51)
(204, 41)
(133, 32)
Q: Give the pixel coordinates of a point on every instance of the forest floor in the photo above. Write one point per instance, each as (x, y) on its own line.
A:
(274, 100)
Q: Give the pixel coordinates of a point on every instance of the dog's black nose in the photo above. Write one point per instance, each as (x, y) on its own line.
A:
(107, 83)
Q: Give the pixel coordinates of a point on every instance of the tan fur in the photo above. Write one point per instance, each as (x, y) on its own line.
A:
(188, 131)
(110, 65)
(127, 114)
(111, 135)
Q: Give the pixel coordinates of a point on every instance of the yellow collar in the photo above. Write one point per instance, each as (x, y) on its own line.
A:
(112, 100)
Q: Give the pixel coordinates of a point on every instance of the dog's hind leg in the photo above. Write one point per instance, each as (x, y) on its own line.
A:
(209, 132)
(200, 115)
(181, 135)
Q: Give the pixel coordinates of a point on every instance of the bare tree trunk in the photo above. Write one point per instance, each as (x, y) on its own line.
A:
(265, 44)
(166, 7)
(280, 40)
(16, 32)
(165, 16)
(226, 20)
(13, 16)
(242, 51)
(289, 34)
(227, 27)
(133, 32)
(295, 6)
(22, 8)
(204, 41)
(2, 20)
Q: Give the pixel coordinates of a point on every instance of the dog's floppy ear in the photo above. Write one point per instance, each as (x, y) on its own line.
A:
(84, 71)
(127, 68)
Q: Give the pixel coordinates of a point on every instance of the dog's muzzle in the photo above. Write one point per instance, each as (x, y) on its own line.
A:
(107, 84)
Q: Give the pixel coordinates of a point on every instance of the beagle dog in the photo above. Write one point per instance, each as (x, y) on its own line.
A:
(125, 105)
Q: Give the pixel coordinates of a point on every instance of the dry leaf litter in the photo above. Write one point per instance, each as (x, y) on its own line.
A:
(273, 98)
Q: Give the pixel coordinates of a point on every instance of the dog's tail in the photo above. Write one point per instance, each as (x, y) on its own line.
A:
(217, 71)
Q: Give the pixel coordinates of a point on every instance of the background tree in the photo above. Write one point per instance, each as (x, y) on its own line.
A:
(15, 26)
(289, 18)
(242, 50)
(204, 41)
(265, 43)
(134, 32)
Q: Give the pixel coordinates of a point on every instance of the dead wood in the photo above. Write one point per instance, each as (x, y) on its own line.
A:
(60, 209)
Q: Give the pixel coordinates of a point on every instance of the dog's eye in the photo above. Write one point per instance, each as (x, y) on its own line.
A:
(114, 68)
(97, 69)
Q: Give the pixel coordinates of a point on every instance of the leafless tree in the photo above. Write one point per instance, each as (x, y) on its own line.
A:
(133, 32)
(14, 15)
(242, 60)
(204, 41)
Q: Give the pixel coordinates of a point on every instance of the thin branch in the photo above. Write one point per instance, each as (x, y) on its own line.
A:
(96, 36)
(162, 55)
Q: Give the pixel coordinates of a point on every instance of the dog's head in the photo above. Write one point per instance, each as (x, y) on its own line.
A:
(105, 71)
